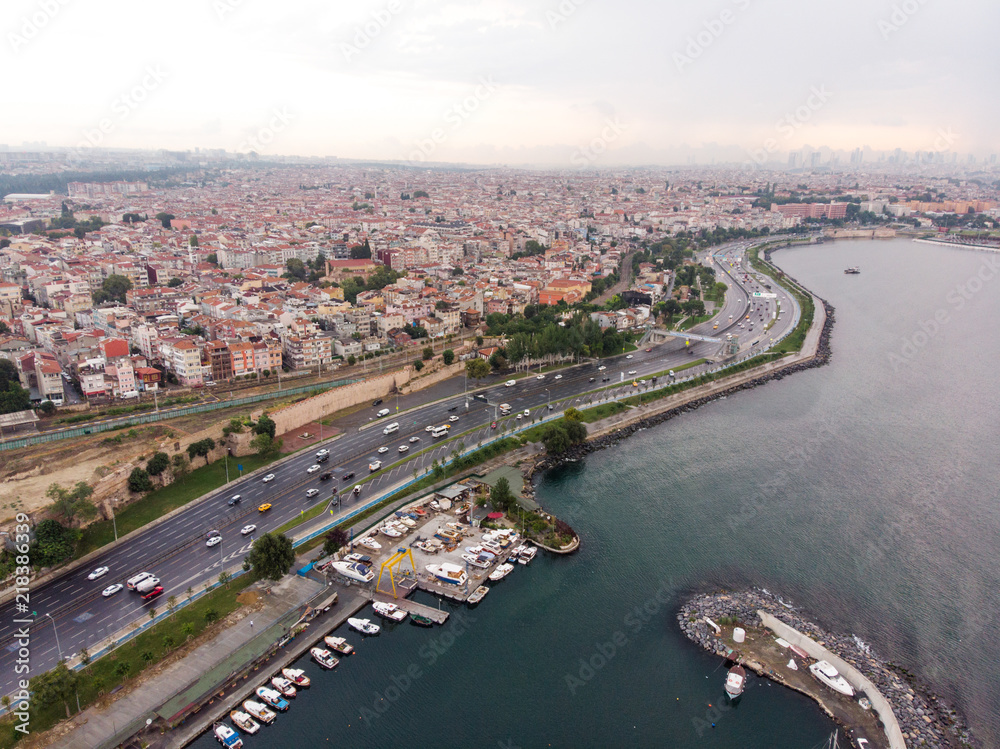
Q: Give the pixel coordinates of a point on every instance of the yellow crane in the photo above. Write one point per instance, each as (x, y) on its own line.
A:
(391, 563)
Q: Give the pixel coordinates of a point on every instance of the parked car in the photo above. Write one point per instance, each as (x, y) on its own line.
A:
(377, 402)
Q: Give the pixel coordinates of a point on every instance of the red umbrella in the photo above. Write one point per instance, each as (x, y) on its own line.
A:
(495, 515)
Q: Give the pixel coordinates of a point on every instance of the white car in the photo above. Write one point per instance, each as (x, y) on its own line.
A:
(519, 417)
(269, 477)
(453, 419)
(214, 541)
(527, 412)
(510, 383)
(540, 377)
(374, 465)
(246, 530)
(98, 573)
(383, 450)
(601, 368)
(631, 371)
(429, 428)
(313, 468)
(312, 492)
(414, 438)
(404, 448)
(629, 356)
(111, 590)
(558, 377)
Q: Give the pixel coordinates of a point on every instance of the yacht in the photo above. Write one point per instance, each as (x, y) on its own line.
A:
(273, 698)
(226, 736)
(482, 562)
(389, 611)
(826, 673)
(501, 572)
(297, 676)
(244, 722)
(853, 270)
(283, 685)
(527, 555)
(354, 571)
(390, 530)
(736, 679)
(370, 543)
(261, 712)
(448, 573)
(480, 551)
(338, 644)
(323, 657)
(364, 626)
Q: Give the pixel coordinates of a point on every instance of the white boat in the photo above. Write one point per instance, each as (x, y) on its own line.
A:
(273, 698)
(736, 679)
(408, 522)
(244, 722)
(447, 572)
(297, 676)
(477, 595)
(323, 657)
(390, 531)
(475, 561)
(364, 626)
(501, 572)
(283, 685)
(227, 736)
(527, 555)
(370, 543)
(338, 644)
(492, 548)
(389, 611)
(517, 551)
(479, 551)
(354, 571)
(261, 712)
(826, 673)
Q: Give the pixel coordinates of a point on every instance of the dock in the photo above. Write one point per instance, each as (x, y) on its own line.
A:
(435, 615)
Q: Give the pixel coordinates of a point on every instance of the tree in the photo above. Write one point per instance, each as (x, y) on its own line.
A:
(113, 289)
(157, 464)
(576, 431)
(72, 504)
(54, 543)
(477, 368)
(138, 481)
(13, 397)
(351, 360)
(264, 445)
(296, 269)
(212, 258)
(479, 340)
(335, 541)
(164, 218)
(47, 408)
(201, 448)
(180, 466)
(57, 685)
(418, 365)
(174, 282)
(572, 414)
(501, 497)
(448, 356)
(265, 425)
(361, 251)
(271, 556)
(555, 439)
(193, 241)
(427, 353)
(498, 361)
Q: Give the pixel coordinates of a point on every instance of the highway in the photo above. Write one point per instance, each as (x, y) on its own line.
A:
(176, 552)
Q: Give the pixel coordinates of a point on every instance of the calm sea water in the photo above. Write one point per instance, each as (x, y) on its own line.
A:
(865, 491)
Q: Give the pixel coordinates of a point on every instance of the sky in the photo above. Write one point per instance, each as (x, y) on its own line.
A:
(571, 83)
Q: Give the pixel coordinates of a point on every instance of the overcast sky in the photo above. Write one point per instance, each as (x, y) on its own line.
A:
(575, 82)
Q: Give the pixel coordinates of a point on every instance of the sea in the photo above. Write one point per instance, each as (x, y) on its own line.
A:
(865, 493)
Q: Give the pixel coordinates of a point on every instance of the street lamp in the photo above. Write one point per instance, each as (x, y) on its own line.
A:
(57, 634)
(114, 523)
(548, 399)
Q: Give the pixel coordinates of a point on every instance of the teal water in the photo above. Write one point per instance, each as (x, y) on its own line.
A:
(865, 491)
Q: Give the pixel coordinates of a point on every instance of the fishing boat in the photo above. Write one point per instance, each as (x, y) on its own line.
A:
(389, 611)
(448, 573)
(407, 521)
(447, 535)
(354, 571)
(338, 644)
(736, 679)
(501, 572)
(390, 530)
(480, 562)
(273, 698)
(457, 527)
(826, 673)
(364, 626)
(477, 595)
(479, 551)
(227, 736)
(244, 722)
(261, 712)
(421, 621)
(370, 543)
(324, 658)
(297, 676)
(283, 685)
(853, 270)
(527, 555)
(517, 551)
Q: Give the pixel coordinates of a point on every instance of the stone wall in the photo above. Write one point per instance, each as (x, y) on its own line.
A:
(425, 379)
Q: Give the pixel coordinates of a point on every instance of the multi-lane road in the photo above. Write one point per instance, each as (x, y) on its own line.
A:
(176, 551)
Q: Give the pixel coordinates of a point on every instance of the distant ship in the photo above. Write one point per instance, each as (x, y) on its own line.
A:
(853, 271)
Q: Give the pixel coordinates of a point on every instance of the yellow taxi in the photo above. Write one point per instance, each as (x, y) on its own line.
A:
(264, 507)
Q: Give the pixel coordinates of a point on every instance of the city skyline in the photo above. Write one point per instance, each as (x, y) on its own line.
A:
(570, 83)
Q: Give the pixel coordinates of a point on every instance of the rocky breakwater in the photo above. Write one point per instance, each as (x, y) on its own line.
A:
(925, 718)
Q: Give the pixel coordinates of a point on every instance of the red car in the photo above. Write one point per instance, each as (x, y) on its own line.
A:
(648, 350)
(493, 425)
(158, 590)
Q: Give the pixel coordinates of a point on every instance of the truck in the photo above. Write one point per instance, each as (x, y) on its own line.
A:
(147, 585)
(504, 408)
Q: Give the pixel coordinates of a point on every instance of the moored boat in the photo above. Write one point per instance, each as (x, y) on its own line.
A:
(338, 644)
(421, 621)
(736, 680)
(527, 555)
(283, 685)
(244, 722)
(826, 673)
(273, 698)
(323, 657)
(297, 676)
(389, 611)
(448, 573)
(501, 572)
(259, 711)
(364, 626)
(477, 595)
(227, 736)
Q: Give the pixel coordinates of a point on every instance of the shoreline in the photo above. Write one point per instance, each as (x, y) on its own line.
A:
(924, 718)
